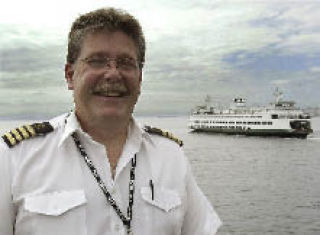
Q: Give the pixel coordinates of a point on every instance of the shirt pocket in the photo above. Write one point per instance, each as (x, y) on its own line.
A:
(54, 213)
(164, 211)
(164, 199)
(55, 203)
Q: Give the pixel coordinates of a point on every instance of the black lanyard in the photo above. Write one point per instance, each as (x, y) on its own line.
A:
(125, 220)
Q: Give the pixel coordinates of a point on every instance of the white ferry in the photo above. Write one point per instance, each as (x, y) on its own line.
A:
(281, 118)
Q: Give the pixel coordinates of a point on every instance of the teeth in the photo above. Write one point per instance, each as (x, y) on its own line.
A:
(113, 94)
(109, 93)
(114, 90)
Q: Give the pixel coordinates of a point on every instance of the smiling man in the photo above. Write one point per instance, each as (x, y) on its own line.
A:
(95, 171)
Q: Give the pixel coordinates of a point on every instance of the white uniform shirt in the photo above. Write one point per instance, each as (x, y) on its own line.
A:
(46, 187)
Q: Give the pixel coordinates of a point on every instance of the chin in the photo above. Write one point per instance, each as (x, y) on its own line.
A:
(117, 113)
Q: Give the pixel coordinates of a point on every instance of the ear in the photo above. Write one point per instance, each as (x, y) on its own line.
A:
(140, 81)
(68, 74)
(140, 75)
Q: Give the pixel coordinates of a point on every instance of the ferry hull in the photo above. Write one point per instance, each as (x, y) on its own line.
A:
(280, 118)
(260, 132)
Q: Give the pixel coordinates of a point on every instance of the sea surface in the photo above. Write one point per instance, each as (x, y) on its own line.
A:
(258, 185)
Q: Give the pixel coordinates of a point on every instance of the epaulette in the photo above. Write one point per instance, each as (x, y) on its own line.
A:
(157, 131)
(15, 136)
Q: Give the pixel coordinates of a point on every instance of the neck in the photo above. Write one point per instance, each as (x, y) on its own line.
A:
(111, 132)
(103, 129)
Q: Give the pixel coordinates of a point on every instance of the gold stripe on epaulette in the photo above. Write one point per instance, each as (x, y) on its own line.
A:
(10, 138)
(24, 133)
(17, 135)
(31, 130)
(169, 135)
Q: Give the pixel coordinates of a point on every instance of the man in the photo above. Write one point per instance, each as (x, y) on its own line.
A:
(95, 171)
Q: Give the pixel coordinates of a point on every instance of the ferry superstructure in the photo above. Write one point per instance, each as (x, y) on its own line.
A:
(281, 118)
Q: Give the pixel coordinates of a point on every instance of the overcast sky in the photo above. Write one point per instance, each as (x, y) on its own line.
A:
(194, 48)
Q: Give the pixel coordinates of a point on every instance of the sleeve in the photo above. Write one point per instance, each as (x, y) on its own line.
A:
(200, 217)
(6, 206)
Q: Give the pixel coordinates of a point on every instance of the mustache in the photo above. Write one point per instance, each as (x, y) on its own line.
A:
(110, 87)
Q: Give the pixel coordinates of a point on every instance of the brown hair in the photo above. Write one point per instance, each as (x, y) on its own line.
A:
(105, 19)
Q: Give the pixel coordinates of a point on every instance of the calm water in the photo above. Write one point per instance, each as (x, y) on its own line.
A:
(258, 185)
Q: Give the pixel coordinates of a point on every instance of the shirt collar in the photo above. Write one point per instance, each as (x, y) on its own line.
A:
(136, 131)
(136, 135)
(132, 146)
(71, 125)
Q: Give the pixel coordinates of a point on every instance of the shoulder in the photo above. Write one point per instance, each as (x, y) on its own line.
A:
(159, 132)
(166, 158)
(15, 136)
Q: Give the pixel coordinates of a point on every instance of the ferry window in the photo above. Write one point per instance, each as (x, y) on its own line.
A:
(274, 116)
(264, 123)
(269, 123)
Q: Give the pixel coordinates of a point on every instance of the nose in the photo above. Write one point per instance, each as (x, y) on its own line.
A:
(112, 63)
(112, 73)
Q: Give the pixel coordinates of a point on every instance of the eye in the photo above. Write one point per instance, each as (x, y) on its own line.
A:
(97, 62)
(127, 63)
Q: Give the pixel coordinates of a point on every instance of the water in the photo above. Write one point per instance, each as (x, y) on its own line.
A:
(257, 185)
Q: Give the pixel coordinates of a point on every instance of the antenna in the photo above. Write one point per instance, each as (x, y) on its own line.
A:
(207, 100)
(277, 94)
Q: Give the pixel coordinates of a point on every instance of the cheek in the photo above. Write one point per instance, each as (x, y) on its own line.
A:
(134, 86)
(85, 81)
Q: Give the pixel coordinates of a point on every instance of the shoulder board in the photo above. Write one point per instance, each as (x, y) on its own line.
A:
(17, 135)
(157, 131)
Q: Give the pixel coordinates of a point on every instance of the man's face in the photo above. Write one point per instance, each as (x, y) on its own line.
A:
(105, 91)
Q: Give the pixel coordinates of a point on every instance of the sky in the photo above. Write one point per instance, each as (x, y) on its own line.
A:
(195, 48)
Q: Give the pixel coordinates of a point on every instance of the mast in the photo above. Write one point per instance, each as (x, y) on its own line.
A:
(207, 101)
(278, 95)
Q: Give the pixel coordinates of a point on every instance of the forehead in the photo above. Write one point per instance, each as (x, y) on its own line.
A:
(108, 43)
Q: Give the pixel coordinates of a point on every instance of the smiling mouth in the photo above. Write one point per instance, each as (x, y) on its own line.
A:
(110, 93)
(110, 90)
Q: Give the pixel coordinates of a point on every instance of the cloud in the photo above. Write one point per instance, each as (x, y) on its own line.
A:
(279, 82)
(26, 59)
(315, 69)
(222, 48)
(270, 59)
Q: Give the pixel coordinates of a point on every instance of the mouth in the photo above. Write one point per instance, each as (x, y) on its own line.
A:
(106, 90)
(110, 93)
